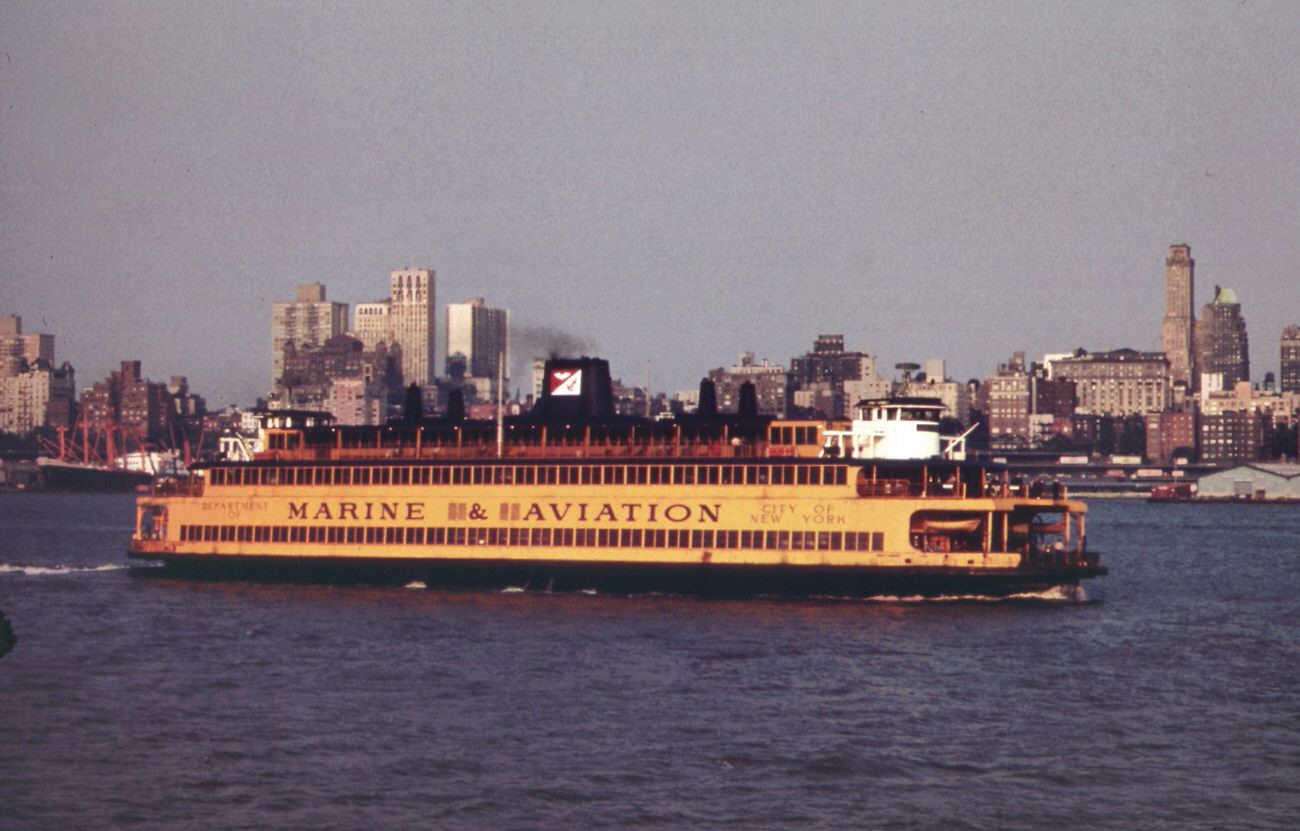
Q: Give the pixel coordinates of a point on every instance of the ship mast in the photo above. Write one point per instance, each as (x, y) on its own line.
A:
(501, 391)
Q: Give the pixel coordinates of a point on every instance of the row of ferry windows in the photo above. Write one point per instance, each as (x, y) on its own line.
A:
(541, 537)
(536, 475)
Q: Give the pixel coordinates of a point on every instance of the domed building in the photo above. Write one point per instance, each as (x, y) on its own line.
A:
(1221, 343)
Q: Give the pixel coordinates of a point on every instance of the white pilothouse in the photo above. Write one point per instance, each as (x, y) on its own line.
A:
(896, 428)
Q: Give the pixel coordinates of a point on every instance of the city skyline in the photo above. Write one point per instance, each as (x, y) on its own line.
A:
(669, 186)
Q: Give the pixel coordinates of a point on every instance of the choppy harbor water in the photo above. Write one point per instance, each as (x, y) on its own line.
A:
(1169, 699)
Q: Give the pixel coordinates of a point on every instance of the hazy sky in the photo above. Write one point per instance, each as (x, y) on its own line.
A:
(673, 183)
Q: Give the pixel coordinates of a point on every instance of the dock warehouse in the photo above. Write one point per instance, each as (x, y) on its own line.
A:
(1260, 480)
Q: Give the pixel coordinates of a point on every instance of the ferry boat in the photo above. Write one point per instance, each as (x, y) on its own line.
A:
(572, 497)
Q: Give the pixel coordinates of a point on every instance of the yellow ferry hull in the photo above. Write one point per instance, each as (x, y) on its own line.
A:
(705, 540)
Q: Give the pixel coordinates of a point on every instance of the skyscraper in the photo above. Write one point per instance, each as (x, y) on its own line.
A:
(413, 322)
(309, 320)
(1178, 327)
(372, 323)
(1290, 359)
(1221, 343)
(481, 335)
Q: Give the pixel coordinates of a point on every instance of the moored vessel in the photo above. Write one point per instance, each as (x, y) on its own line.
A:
(572, 497)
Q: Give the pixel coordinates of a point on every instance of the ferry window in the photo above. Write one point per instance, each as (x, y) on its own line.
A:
(747, 538)
(684, 475)
(823, 540)
(654, 538)
(587, 475)
(727, 475)
(381, 475)
(344, 476)
(697, 539)
(478, 475)
(803, 476)
(517, 536)
(877, 541)
(562, 537)
(625, 538)
(751, 475)
(361, 476)
(297, 534)
(217, 477)
(796, 541)
(636, 537)
(261, 533)
(541, 536)
(614, 476)
(316, 534)
(392, 535)
(460, 476)
(352, 534)
(655, 475)
(636, 476)
(605, 537)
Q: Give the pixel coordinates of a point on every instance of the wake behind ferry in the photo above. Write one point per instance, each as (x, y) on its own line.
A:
(572, 497)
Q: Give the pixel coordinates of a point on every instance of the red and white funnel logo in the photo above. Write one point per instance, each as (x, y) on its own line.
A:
(566, 382)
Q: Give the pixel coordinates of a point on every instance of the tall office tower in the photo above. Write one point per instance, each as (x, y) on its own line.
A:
(372, 323)
(412, 317)
(1290, 359)
(309, 320)
(1179, 324)
(480, 334)
(1221, 344)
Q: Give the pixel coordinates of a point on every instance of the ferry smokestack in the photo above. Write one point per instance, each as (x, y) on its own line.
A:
(748, 407)
(576, 389)
(708, 403)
